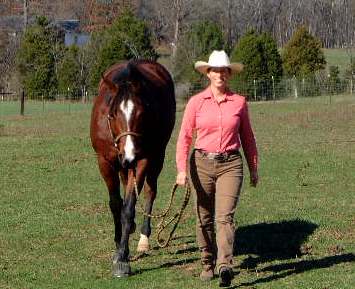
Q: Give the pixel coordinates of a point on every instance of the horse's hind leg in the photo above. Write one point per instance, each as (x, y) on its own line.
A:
(150, 192)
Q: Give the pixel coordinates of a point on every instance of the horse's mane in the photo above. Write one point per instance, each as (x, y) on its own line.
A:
(127, 80)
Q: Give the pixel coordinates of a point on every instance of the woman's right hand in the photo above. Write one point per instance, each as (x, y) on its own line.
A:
(254, 178)
(181, 178)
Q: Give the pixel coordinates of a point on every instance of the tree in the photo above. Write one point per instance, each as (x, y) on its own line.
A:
(302, 56)
(127, 38)
(35, 59)
(197, 43)
(262, 64)
(69, 72)
(334, 82)
(8, 50)
(73, 72)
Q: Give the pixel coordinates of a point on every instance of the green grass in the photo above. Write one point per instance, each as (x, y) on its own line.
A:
(38, 107)
(339, 57)
(295, 230)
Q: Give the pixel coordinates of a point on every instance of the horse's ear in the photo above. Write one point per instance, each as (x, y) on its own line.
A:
(112, 86)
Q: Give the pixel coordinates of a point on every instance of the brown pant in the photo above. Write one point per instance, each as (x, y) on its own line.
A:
(217, 184)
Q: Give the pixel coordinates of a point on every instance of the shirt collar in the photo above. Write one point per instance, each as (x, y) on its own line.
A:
(208, 94)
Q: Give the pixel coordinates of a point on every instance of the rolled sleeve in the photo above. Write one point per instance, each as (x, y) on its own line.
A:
(248, 140)
(185, 136)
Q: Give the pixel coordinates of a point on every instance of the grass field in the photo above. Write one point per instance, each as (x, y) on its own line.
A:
(295, 230)
(38, 107)
(339, 57)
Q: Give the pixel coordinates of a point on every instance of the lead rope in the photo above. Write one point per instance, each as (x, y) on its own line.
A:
(163, 223)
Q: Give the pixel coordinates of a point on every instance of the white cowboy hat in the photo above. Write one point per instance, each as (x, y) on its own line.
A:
(218, 59)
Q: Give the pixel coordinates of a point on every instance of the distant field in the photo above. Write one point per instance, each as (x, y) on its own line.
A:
(339, 57)
(295, 231)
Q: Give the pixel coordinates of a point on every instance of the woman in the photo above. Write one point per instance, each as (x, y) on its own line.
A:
(221, 121)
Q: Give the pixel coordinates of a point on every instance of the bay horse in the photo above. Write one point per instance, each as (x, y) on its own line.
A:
(131, 123)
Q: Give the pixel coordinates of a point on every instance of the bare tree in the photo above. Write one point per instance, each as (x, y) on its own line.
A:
(173, 16)
(7, 60)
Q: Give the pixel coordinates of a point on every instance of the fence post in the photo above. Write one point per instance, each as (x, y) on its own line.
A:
(351, 85)
(254, 89)
(273, 87)
(22, 100)
(295, 86)
(68, 98)
(42, 102)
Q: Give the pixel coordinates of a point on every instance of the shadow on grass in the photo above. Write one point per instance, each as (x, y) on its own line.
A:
(280, 241)
(272, 241)
(179, 253)
(283, 270)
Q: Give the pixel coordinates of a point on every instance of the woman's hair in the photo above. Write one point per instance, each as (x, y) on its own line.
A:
(230, 70)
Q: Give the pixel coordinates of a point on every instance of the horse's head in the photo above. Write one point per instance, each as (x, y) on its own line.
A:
(127, 119)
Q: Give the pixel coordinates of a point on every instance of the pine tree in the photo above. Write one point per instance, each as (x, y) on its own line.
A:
(69, 80)
(302, 55)
(35, 59)
(262, 65)
(127, 38)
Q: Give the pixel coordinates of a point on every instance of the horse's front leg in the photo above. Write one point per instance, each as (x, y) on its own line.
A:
(109, 174)
(123, 268)
(150, 192)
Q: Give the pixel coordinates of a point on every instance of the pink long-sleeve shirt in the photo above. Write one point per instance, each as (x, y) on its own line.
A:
(219, 127)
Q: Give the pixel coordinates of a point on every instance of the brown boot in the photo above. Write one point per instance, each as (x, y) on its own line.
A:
(207, 273)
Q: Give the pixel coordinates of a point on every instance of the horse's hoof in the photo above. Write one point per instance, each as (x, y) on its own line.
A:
(143, 244)
(121, 269)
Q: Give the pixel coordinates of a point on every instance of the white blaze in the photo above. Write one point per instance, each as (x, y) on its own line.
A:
(127, 109)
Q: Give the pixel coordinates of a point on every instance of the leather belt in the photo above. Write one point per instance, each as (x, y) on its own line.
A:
(217, 156)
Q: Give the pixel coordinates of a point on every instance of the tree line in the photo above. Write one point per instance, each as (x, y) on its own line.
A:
(332, 21)
(192, 29)
(46, 66)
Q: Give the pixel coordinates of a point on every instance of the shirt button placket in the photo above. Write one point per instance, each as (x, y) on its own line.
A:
(220, 128)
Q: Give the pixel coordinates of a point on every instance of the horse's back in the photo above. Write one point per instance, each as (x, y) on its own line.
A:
(164, 95)
(162, 90)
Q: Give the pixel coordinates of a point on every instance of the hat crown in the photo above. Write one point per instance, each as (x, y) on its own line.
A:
(218, 59)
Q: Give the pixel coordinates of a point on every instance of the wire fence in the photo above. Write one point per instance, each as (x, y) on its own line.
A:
(277, 89)
(312, 90)
(18, 103)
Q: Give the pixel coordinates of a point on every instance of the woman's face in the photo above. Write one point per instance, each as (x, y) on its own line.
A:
(219, 76)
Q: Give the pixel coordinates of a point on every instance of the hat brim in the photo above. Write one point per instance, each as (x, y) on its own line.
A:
(202, 67)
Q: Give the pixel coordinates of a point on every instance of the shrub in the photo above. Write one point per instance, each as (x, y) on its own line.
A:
(302, 55)
(35, 59)
(262, 65)
(69, 72)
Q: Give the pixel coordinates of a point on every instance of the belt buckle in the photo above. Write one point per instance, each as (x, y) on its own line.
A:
(216, 156)
(212, 156)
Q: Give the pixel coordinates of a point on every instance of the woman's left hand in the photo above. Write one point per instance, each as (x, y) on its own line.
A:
(254, 178)
(181, 178)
